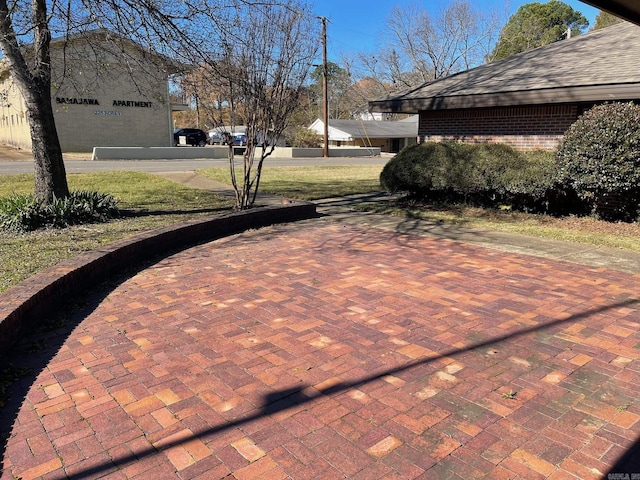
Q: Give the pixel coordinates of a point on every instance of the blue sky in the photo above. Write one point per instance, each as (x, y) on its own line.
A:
(355, 25)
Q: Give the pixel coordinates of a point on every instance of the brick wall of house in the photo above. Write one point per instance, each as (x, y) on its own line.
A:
(524, 128)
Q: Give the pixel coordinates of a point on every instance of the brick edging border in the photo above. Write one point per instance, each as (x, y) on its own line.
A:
(22, 306)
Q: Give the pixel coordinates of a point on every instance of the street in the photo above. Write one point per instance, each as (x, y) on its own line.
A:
(13, 162)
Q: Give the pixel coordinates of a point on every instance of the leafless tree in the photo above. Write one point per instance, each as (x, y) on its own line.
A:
(171, 33)
(356, 91)
(34, 81)
(420, 47)
(390, 69)
(260, 71)
(26, 32)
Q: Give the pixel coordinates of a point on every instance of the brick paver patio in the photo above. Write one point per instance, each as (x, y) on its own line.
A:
(320, 350)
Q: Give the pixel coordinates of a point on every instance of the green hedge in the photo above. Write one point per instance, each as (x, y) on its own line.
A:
(430, 166)
(489, 174)
(599, 159)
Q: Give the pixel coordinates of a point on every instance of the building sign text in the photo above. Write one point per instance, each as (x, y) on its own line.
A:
(76, 101)
(131, 103)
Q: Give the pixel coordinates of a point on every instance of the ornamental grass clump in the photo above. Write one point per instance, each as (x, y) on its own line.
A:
(23, 213)
(20, 213)
(599, 158)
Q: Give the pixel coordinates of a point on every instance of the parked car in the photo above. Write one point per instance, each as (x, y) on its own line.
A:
(218, 138)
(189, 136)
(240, 139)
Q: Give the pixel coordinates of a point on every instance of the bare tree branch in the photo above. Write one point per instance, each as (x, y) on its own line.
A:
(157, 37)
(421, 47)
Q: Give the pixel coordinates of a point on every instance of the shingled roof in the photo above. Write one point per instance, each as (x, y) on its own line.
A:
(598, 66)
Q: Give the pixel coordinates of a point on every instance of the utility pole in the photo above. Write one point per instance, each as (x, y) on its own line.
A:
(325, 87)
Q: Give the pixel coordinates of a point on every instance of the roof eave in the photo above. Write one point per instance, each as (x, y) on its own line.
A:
(171, 65)
(594, 93)
(627, 9)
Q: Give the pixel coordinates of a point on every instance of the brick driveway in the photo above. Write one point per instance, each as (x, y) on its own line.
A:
(321, 350)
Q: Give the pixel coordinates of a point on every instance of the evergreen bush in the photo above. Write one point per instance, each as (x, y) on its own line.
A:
(599, 158)
(488, 174)
(432, 166)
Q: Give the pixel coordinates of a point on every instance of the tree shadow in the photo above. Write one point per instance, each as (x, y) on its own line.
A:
(629, 463)
(31, 355)
(401, 228)
(400, 225)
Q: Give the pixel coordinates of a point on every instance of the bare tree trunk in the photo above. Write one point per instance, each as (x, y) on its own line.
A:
(259, 76)
(247, 158)
(35, 86)
(232, 170)
(265, 151)
(50, 174)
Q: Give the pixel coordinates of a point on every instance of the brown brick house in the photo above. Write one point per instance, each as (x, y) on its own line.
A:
(528, 100)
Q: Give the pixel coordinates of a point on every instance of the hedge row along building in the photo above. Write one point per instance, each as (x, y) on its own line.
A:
(107, 91)
(527, 100)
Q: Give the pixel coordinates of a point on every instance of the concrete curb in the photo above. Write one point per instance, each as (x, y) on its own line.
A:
(25, 305)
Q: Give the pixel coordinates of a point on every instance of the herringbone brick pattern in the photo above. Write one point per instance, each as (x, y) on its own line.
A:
(320, 350)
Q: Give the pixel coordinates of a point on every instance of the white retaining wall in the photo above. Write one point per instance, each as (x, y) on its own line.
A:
(169, 153)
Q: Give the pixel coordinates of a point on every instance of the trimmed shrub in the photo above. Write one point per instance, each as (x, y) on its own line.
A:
(23, 213)
(599, 158)
(431, 167)
(404, 172)
(524, 180)
(487, 174)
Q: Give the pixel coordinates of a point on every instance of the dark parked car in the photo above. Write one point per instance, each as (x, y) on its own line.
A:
(192, 136)
(240, 139)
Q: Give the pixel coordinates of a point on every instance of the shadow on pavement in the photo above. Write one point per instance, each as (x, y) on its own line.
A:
(273, 403)
(628, 464)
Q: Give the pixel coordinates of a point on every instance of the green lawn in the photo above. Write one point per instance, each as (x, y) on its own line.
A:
(152, 202)
(311, 183)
